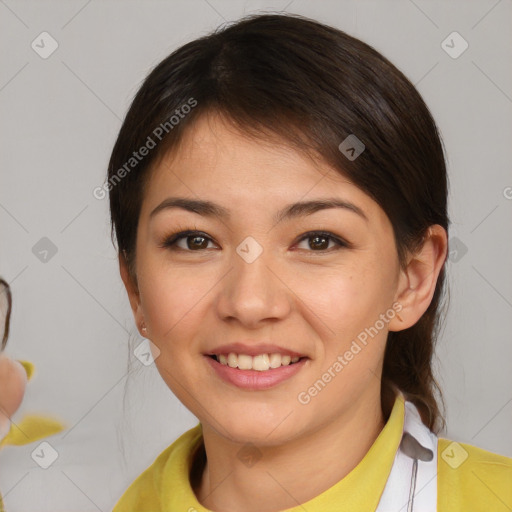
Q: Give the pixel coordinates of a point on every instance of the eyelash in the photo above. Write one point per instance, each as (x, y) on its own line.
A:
(170, 241)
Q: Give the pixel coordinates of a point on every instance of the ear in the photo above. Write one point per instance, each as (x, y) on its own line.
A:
(133, 292)
(417, 282)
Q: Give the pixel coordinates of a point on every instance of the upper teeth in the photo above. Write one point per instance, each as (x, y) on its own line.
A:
(261, 362)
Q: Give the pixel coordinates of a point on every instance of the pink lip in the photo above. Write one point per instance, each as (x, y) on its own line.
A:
(253, 350)
(253, 379)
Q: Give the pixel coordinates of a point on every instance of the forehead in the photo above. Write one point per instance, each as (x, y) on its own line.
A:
(218, 162)
(254, 180)
(213, 151)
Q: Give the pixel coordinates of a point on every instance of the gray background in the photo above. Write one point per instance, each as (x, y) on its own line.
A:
(60, 117)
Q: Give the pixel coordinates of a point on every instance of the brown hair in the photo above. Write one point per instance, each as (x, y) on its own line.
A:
(4, 287)
(310, 85)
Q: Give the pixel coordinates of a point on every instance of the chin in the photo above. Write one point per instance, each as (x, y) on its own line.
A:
(257, 429)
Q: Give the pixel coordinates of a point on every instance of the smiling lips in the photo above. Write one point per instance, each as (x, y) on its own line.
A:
(254, 356)
(260, 362)
(255, 366)
(253, 379)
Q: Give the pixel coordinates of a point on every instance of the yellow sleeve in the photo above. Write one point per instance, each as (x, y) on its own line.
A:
(470, 478)
(144, 491)
(140, 495)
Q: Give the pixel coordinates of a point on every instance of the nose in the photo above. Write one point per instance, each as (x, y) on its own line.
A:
(254, 292)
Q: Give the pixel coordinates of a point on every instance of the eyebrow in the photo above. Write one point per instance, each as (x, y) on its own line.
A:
(211, 209)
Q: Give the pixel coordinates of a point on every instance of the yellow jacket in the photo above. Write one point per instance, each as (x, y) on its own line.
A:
(469, 479)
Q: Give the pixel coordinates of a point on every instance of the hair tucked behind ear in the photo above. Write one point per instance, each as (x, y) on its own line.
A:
(296, 80)
(408, 363)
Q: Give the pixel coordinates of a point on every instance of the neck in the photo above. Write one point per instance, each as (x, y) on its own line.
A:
(291, 473)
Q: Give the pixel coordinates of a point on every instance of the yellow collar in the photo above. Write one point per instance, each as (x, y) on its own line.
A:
(360, 490)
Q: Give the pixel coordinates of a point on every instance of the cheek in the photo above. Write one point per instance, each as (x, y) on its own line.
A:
(172, 302)
(344, 295)
(349, 301)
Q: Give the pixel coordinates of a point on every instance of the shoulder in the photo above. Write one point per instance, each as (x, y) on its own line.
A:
(144, 492)
(471, 478)
(144, 489)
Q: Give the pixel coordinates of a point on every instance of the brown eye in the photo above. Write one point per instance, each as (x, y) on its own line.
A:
(196, 242)
(191, 241)
(318, 241)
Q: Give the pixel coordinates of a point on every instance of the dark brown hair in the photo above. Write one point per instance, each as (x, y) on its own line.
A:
(4, 287)
(292, 79)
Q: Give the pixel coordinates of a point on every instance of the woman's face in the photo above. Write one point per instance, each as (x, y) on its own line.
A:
(253, 276)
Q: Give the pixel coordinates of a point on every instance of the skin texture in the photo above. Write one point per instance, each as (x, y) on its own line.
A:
(312, 300)
(13, 381)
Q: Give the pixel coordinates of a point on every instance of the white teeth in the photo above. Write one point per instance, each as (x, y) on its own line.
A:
(232, 360)
(260, 363)
(286, 360)
(275, 360)
(244, 362)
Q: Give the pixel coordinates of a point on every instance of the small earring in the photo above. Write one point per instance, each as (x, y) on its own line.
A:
(144, 328)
